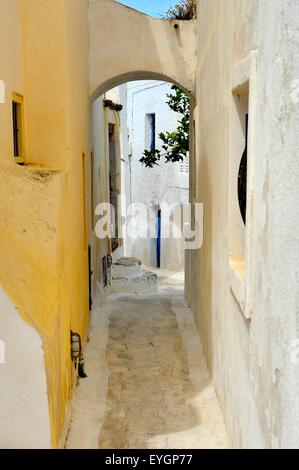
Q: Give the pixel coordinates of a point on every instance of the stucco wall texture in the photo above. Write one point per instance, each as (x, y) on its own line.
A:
(160, 51)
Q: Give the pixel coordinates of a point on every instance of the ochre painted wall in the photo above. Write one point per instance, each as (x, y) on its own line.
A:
(43, 246)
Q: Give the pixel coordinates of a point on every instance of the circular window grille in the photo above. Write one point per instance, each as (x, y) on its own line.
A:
(242, 179)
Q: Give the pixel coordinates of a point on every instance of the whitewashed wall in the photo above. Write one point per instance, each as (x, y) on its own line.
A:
(249, 325)
(22, 367)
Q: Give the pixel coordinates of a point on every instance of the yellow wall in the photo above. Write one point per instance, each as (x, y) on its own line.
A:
(46, 82)
(43, 251)
(76, 229)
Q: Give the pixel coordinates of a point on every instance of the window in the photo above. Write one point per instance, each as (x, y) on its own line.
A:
(241, 183)
(238, 175)
(18, 131)
(242, 176)
(150, 131)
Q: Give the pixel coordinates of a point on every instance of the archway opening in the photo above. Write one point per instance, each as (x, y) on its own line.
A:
(138, 179)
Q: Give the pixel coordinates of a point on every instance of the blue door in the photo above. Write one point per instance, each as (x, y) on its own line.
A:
(159, 239)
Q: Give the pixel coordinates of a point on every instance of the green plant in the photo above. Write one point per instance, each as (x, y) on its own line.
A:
(174, 144)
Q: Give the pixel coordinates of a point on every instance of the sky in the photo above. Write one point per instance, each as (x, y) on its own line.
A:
(151, 7)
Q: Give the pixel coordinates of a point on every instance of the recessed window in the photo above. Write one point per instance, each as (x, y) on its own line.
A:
(242, 177)
(238, 175)
(18, 131)
(150, 131)
(241, 181)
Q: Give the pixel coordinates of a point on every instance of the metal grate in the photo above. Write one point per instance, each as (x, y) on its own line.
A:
(242, 177)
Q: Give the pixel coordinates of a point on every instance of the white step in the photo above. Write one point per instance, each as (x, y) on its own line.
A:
(141, 283)
(125, 267)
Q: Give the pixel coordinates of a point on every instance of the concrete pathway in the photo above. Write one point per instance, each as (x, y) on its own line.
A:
(148, 385)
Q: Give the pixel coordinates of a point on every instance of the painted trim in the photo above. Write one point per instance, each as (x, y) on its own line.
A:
(19, 99)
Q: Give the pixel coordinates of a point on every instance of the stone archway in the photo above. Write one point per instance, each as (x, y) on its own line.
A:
(134, 76)
(133, 46)
(126, 45)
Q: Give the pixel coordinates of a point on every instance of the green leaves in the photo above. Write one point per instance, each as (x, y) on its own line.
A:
(150, 158)
(175, 144)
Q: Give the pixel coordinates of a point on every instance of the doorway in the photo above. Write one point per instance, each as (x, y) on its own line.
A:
(113, 187)
(159, 238)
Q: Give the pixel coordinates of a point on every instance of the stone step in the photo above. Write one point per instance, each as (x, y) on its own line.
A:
(141, 283)
(125, 267)
(128, 276)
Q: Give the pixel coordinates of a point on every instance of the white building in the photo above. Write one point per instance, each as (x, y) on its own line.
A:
(148, 115)
(125, 121)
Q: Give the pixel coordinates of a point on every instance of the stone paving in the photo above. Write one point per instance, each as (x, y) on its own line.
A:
(158, 392)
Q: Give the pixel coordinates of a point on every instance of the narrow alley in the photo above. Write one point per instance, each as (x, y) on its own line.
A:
(140, 139)
(147, 385)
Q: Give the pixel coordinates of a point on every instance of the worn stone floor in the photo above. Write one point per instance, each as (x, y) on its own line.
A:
(148, 385)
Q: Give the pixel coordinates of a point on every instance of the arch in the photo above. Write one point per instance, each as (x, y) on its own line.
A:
(126, 45)
(130, 77)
